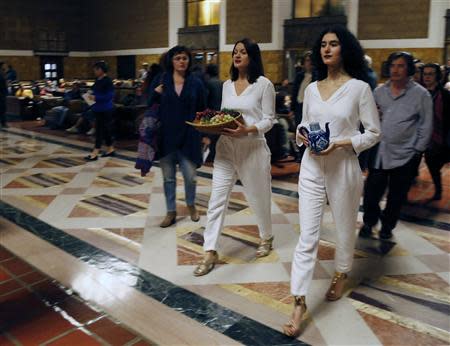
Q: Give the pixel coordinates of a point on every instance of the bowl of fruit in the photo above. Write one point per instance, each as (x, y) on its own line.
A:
(214, 122)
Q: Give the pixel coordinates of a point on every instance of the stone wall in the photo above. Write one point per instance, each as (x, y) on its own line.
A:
(387, 19)
(27, 67)
(251, 19)
(23, 20)
(88, 25)
(273, 65)
(82, 67)
(224, 65)
(117, 24)
(78, 68)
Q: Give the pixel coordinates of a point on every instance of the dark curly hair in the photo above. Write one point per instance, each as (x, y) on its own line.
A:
(351, 52)
(168, 64)
(255, 66)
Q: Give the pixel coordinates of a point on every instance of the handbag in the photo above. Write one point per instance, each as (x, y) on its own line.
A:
(148, 140)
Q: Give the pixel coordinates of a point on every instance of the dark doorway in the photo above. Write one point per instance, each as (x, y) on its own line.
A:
(126, 67)
(52, 67)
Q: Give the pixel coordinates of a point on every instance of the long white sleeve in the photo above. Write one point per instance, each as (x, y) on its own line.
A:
(370, 119)
(268, 109)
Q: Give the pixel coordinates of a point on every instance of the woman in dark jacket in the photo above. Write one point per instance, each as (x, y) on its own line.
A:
(103, 93)
(180, 96)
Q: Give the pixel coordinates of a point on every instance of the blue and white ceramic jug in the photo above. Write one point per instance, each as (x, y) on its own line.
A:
(318, 139)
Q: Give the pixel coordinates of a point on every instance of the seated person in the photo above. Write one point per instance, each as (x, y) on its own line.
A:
(61, 84)
(87, 119)
(48, 89)
(56, 116)
(24, 92)
(74, 93)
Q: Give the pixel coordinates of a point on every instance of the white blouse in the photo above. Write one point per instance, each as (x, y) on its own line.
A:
(349, 106)
(256, 103)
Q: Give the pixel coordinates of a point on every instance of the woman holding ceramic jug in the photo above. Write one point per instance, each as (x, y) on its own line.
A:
(341, 99)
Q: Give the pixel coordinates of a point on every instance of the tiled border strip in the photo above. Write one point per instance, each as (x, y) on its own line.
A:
(288, 193)
(232, 324)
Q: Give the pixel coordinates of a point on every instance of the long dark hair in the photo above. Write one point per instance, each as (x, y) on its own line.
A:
(175, 51)
(352, 54)
(255, 66)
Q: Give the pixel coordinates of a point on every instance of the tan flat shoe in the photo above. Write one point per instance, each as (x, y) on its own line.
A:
(292, 328)
(337, 286)
(265, 247)
(169, 220)
(194, 213)
(207, 264)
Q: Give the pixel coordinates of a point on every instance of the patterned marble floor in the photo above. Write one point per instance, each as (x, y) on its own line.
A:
(398, 292)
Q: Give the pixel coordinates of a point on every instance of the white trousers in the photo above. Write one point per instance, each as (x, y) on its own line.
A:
(337, 177)
(249, 160)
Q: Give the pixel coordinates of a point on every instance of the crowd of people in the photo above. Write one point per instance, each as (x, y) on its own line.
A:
(385, 129)
(391, 126)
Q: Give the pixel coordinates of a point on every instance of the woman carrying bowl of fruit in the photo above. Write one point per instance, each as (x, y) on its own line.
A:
(243, 152)
(180, 95)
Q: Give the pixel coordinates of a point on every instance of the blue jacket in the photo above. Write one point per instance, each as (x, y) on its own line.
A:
(103, 90)
(174, 111)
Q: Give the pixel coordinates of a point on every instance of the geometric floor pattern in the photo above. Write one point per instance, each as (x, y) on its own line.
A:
(398, 293)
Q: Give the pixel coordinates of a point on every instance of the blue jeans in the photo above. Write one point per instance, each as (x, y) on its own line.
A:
(169, 169)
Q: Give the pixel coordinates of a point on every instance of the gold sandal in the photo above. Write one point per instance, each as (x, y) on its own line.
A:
(290, 328)
(337, 286)
(265, 247)
(207, 264)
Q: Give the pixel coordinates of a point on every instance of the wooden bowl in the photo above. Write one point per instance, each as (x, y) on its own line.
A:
(216, 129)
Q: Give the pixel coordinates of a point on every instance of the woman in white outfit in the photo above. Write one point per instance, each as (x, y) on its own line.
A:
(243, 153)
(342, 99)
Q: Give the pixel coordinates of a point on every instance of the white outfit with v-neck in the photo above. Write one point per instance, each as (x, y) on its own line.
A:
(336, 176)
(246, 158)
